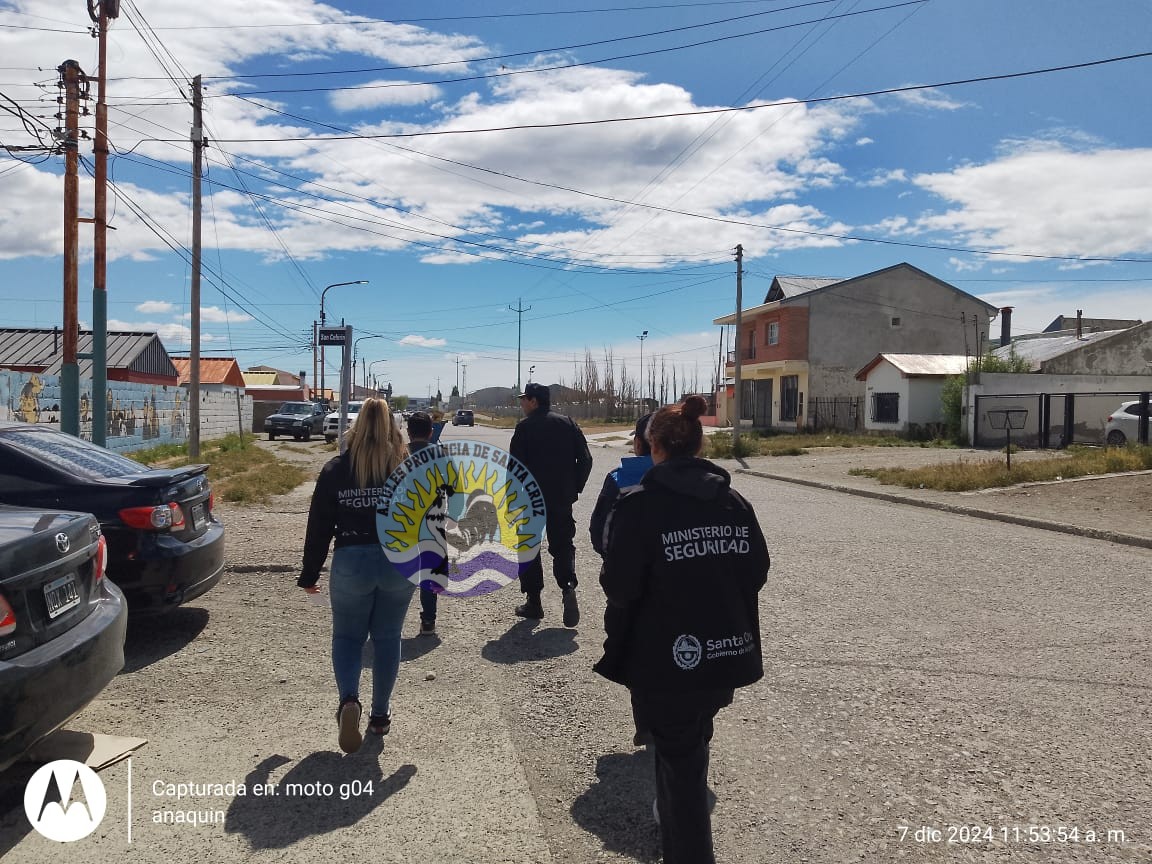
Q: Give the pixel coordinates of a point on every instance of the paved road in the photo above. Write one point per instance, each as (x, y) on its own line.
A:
(925, 670)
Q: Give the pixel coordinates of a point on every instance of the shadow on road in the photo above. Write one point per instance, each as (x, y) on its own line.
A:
(617, 808)
(415, 647)
(523, 643)
(154, 637)
(14, 824)
(321, 793)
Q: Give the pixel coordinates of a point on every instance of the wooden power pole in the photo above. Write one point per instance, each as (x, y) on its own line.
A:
(70, 370)
(736, 395)
(108, 9)
(194, 352)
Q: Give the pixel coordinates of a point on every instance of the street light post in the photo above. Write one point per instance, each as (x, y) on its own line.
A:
(372, 366)
(356, 355)
(323, 294)
(642, 337)
(531, 369)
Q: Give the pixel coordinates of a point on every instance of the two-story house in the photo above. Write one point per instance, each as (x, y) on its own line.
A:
(802, 347)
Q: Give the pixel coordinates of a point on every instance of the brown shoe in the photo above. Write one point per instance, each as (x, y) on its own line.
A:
(348, 717)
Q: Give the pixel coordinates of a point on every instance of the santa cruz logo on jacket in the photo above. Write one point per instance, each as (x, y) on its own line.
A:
(686, 651)
(705, 540)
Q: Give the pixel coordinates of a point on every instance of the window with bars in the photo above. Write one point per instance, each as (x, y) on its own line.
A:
(772, 333)
(885, 407)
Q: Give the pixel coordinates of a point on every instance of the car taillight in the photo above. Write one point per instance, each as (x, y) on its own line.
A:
(211, 501)
(1109, 420)
(101, 562)
(159, 518)
(7, 618)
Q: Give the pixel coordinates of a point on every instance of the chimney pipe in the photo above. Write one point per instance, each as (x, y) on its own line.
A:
(1079, 323)
(1005, 325)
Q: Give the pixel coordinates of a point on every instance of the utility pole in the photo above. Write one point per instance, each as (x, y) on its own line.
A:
(70, 370)
(108, 9)
(464, 392)
(458, 393)
(315, 377)
(194, 353)
(519, 310)
(736, 376)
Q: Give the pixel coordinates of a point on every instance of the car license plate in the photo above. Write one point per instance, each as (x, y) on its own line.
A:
(62, 594)
(199, 516)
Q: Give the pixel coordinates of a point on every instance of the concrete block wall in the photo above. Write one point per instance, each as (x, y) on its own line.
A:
(140, 416)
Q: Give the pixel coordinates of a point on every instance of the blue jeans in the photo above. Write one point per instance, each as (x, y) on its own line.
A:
(369, 598)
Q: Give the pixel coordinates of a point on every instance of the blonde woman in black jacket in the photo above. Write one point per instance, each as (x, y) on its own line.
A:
(684, 561)
(369, 596)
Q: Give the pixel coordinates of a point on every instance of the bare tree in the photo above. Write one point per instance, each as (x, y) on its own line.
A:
(591, 373)
(610, 395)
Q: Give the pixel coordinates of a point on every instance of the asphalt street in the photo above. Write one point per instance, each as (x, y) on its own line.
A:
(938, 688)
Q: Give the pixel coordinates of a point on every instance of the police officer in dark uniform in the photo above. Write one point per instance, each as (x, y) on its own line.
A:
(684, 560)
(554, 449)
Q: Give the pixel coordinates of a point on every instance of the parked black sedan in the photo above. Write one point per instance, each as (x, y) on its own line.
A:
(62, 623)
(164, 544)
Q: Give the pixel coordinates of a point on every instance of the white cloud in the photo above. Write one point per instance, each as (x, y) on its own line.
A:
(170, 334)
(932, 99)
(377, 93)
(219, 316)
(1047, 200)
(155, 307)
(423, 341)
(883, 178)
(861, 142)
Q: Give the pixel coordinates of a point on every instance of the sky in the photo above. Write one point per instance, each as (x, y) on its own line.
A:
(594, 166)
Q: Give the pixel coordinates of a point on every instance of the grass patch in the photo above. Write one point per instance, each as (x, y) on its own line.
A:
(239, 471)
(964, 476)
(718, 445)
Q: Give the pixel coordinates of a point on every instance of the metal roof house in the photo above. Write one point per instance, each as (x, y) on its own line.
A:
(217, 373)
(903, 390)
(136, 357)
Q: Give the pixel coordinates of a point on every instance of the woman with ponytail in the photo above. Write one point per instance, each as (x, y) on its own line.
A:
(684, 560)
(369, 596)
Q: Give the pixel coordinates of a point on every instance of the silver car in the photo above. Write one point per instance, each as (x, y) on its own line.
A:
(1123, 424)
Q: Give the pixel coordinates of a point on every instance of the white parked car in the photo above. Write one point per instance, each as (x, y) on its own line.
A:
(332, 421)
(1123, 424)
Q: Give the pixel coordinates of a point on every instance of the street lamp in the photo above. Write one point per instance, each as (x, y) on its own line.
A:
(642, 337)
(531, 369)
(323, 319)
(355, 355)
(372, 366)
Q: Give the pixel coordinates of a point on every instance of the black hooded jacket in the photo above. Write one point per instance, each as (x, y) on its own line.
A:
(684, 561)
(554, 449)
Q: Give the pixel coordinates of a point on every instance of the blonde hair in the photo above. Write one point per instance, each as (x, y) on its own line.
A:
(375, 444)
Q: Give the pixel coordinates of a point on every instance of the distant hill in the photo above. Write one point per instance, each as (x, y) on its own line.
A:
(493, 397)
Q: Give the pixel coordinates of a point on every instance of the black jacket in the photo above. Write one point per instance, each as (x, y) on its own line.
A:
(340, 509)
(554, 449)
(684, 561)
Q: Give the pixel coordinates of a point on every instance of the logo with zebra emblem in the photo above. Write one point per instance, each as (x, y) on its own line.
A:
(462, 518)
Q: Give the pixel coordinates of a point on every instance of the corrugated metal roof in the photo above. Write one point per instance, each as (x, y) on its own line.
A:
(914, 365)
(135, 351)
(1037, 349)
(928, 364)
(213, 370)
(793, 286)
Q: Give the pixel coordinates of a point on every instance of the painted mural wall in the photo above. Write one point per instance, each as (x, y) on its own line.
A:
(139, 415)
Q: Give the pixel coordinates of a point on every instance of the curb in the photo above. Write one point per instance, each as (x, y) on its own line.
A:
(1025, 521)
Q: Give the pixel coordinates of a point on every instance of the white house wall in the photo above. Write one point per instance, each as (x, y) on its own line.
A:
(924, 405)
(885, 378)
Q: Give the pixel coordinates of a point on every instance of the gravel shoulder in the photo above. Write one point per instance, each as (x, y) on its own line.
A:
(895, 694)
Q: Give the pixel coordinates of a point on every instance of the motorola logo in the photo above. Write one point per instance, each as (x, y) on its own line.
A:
(65, 800)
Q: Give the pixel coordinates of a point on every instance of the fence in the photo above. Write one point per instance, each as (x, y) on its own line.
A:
(139, 415)
(843, 414)
(1054, 419)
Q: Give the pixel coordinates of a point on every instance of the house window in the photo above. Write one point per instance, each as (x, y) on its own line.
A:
(895, 321)
(751, 353)
(772, 334)
(886, 407)
(789, 397)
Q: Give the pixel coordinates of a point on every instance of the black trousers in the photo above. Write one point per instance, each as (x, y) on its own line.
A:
(681, 728)
(561, 531)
